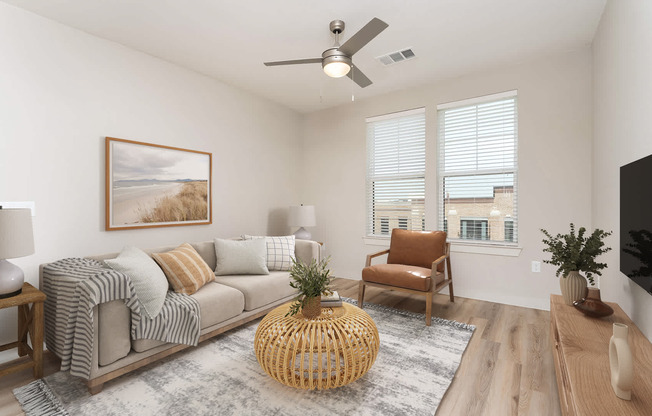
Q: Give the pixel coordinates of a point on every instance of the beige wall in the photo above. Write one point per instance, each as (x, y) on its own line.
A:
(622, 62)
(62, 91)
(554, 183)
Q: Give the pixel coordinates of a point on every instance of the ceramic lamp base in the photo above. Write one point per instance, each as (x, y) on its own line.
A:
(11, 279)
(302, 234)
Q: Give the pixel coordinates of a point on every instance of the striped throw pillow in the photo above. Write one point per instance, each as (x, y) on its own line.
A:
(186, 271)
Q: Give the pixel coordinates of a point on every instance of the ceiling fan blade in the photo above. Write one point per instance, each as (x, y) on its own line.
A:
(358, 77)
(294, 62)
(364, 36)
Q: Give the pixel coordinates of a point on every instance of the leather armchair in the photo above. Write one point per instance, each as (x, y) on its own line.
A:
(418, 262)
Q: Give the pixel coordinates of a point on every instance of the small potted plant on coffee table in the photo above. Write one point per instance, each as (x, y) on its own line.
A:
(311, 280)
(574, 253)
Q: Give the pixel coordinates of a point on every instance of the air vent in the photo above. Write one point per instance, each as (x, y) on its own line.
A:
(395, 57)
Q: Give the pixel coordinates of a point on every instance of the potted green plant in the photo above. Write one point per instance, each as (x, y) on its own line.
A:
(311, 280)
(574, 253)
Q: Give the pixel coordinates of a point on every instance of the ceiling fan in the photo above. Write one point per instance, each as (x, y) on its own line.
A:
(336, 61)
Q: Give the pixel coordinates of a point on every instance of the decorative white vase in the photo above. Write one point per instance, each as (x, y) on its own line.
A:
(621, 362)
(573, 287)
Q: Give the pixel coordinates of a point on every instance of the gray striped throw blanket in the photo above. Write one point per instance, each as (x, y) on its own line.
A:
(74, 286)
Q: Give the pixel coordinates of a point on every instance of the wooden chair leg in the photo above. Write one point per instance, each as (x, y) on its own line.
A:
(450, 277)
(428, 308)
(361, 288)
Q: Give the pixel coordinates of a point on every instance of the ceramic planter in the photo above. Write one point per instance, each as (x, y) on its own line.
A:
(573, 287)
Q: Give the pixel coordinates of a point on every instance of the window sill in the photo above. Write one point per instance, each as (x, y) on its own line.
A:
(488, 249)
(458, 247)
(376, 241)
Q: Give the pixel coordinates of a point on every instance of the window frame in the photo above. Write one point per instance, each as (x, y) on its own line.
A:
(412, 180)
(442, 175)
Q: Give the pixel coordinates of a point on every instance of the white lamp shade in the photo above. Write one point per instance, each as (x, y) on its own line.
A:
(16, 235)
(302, 216)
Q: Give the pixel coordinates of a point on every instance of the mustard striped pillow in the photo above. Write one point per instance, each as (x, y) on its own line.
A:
(186, 271)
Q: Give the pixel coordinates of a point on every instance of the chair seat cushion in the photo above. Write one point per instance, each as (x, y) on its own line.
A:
(399, 275)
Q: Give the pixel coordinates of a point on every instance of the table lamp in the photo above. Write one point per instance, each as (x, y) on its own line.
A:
(302, 216)
(16, 240)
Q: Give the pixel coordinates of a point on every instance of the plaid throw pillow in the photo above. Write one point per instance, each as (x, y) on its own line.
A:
(280, 251)
(186, 271)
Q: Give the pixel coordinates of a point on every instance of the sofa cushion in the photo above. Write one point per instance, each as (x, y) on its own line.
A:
(240, 257)
(149, 281)
(218, 303)
(399, 275)
(280, 251)
(186, 271)
(260, 290)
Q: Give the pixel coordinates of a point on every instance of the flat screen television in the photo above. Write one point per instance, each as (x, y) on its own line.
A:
(636, 222)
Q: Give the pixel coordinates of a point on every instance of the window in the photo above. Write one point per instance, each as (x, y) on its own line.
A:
(384, 226)
(477, 169)
(509, 230)
(474, 229)
(396, 165)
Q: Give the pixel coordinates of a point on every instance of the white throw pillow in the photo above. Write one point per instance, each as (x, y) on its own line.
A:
(240, 257)
(280, 251)
(148, 279)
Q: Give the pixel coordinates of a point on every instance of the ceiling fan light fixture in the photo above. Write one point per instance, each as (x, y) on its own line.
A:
(336, 66)
(337, 69)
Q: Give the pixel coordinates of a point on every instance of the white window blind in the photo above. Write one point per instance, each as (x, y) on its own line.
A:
(396, 166)
(478, 168)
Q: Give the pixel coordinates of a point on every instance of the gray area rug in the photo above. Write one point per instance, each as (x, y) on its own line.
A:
(413, 370)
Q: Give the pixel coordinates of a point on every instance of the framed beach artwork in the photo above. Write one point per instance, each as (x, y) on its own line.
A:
(149, 185)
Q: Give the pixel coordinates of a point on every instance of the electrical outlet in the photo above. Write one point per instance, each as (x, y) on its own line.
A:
(536, 266)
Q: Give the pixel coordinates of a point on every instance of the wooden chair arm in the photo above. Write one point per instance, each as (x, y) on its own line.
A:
(439, 260)
(442, 258)
(371, 256)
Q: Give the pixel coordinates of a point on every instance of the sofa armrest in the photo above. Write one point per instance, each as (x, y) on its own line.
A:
(113, 337)
(307, 250)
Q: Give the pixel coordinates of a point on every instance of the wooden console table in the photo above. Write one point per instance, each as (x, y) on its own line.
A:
(30, 320)
(581, 352)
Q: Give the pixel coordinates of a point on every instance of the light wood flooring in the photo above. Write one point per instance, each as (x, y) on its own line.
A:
(507, 368)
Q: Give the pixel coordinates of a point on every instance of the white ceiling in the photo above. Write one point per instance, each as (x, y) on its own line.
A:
(229, 39)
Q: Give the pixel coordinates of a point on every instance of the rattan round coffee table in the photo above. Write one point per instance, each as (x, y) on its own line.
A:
(329, 351)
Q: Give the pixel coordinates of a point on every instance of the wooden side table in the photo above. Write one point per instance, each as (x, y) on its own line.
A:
(30, 320)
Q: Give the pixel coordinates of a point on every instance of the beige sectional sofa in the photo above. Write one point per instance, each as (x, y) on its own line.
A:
(226, 303)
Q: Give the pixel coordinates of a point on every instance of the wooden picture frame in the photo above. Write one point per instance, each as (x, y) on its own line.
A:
(150, 185)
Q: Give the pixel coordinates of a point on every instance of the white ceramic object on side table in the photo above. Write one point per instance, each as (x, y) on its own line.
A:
(622, 365)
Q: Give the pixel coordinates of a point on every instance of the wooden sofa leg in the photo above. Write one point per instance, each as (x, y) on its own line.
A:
(94, 388)
(361, 288)
(428, 308)
(450, 291)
